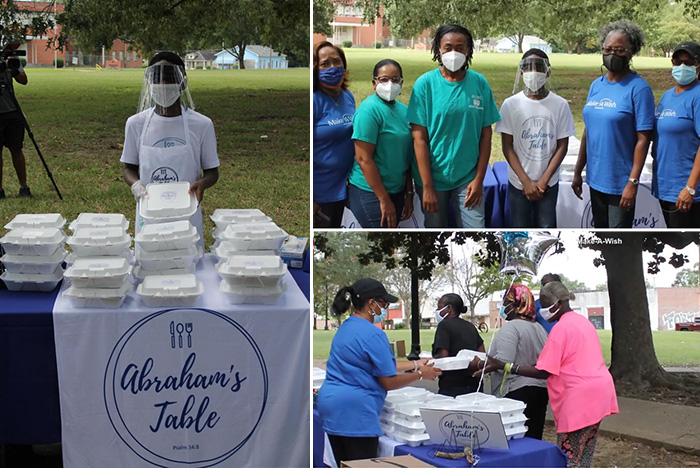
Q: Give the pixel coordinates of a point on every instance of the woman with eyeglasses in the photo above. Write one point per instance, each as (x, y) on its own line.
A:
(676, 148)
(619, 119)
(334, 152)
(380, 189)
(580, 387)
(453, 335)
(451, 111)
(360, 370)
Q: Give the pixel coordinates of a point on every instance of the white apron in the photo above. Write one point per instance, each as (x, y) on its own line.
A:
(165, 165)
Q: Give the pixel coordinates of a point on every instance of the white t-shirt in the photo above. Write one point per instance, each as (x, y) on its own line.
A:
(164, 132)
(536, 125)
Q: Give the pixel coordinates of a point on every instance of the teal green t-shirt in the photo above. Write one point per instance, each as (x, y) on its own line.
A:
(454, 114)
(385, 126)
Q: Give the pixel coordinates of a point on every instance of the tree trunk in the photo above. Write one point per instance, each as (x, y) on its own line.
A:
(570, 47)
(472, 310)
(521, 37)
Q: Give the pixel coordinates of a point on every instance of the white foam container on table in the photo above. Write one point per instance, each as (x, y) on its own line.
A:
(97, 242)
(36, 221)
(98, 298)
(517, 433)
(170, 290)
(409, 427)
(139, 273)
(99, 220)
(319, 376)
(127, 254)
(174, 235)
(475, 398)
(105, 272)
(261, 236)
(225, 250)
(507, 407)
(23, 282)
(245, 295)
(30, 241)
(167, 202)
(405, 395)
(413, 440)
(33, 264)
(168, 259)
(514, 423)
(224, 217)
(252, 271)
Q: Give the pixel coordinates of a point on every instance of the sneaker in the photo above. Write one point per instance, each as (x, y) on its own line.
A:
(25, 193)
(2, 194)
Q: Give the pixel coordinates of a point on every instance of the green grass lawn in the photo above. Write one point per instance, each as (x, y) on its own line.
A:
(571, 76)
(680, 349)
(78, 117)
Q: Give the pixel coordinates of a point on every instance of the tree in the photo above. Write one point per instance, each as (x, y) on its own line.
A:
(15, 25)
(324, 11)
(398, 281)
(673, 28)
(688, 278)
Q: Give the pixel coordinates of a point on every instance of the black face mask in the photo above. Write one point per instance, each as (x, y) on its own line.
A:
(615, 63)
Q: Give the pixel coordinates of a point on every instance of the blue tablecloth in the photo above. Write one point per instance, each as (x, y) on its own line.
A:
(29, 403)
(500, 171)
(493, 200)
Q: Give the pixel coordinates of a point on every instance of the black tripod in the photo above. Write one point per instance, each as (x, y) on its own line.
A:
(11, 93)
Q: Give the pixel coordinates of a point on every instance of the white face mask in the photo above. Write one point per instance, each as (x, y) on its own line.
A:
(453, 61)
(165, 95)
(534, 81)
(547, 313)
(439, 318)
(388, 91)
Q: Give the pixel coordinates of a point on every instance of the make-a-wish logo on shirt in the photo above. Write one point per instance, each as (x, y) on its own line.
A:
(602, 104)
(347, 119)
(476, 102)
(665, 113)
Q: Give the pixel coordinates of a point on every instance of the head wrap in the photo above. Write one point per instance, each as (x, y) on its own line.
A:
(523, 299)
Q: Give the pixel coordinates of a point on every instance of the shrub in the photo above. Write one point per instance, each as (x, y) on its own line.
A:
(377, 45)
(58, 63)
(400, 326)
(347, 44)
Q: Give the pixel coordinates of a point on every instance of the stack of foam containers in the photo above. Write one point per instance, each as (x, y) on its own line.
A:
(512, 411)
(34, 252)
(253, 233)
(252, 279)
(181, 290)
(100, 265)
(400, 418)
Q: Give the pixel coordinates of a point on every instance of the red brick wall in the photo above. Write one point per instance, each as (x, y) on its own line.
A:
(677, 305)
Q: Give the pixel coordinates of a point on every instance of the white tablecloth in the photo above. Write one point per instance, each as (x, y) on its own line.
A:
(229, 388)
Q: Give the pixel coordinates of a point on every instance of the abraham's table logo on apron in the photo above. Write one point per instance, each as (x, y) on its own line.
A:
(185, 387)
(164, 175)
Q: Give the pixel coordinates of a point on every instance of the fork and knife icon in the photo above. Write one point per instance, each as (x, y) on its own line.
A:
(180, 328)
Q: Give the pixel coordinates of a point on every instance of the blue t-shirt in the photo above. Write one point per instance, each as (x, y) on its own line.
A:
(545, 324)
(613, 114)
(334, 150)
(351, 398)
(676, 142)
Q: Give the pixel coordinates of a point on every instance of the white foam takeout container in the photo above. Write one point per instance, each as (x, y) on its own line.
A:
(104, 272)
(95, 242)
(413, 440)
(99, 220)
(31, 241)
(98, 298)
(469, 354)
(224, 250)
(36, 221)
(169, 259)
(261, 236)
(475, 398)
(139, 273)
(170, 290)
(29, 282)
(174, 235)
(127, 254)
(33, 264)
(450, 363)
(245, 295)
(224, 217)
(405, 395)
(167, 202)
(252, 271)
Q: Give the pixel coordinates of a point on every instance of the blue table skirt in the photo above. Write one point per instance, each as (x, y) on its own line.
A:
(500, 171)
(29, 403)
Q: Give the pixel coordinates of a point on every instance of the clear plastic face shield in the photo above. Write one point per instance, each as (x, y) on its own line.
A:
(163, 85)
(533, 76)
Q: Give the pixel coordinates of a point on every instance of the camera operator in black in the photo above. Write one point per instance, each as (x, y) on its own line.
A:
(12, 124)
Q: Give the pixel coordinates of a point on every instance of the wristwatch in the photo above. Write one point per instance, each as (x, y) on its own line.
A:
(691, 191)
(633, 180)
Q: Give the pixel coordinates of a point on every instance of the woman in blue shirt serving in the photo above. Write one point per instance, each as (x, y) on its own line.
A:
(380, 189)
(451, 111)
(619, 119)
(676, 149)
(334, 151)
(360, 370)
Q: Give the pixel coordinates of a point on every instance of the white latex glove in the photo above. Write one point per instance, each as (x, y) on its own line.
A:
(138, 189)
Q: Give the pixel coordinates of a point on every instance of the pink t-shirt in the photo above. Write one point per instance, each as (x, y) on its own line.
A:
(581, 389)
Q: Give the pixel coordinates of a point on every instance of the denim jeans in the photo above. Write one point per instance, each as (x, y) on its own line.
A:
(607, 212)
(453, 200)
(367, 209)
(678, 219)
(538, 214)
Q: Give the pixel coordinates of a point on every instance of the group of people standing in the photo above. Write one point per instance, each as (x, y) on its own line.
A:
(544, 353)
(375, 158)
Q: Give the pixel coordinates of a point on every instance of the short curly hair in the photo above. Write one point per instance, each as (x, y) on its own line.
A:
(452, 28)
(632, 31)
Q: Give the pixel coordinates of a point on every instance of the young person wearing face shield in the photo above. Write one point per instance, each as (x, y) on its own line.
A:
(451, 111)
(619, 119)
(380, 188)
(580, 387)
(676, 147)
(535, 128)
(520, 341)
(453, 335)
(360, 370)
(167, 141)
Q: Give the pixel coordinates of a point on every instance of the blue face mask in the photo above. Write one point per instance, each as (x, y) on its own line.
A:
(381, 317)
(332, 77)
(502, 313)
(684, 74)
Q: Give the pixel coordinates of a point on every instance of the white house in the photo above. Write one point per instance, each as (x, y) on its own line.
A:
(510, 44)
(255, 57)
